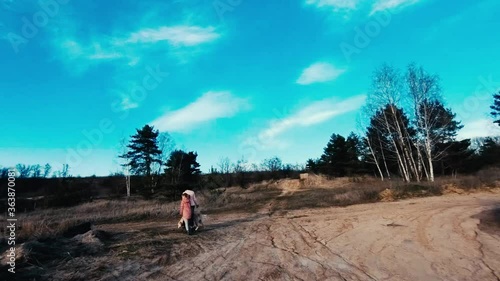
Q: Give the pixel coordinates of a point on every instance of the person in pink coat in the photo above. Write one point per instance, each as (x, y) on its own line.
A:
(185, 211)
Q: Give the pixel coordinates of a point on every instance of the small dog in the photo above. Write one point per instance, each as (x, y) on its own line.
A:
(199, 223)
(180, 223)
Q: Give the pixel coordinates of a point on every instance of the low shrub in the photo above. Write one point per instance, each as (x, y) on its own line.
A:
(489, 177)
(416, 190)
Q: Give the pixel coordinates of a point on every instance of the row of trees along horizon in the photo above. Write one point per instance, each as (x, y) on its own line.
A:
(409, 134)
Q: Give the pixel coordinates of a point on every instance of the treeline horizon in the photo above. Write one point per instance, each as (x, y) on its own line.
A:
(477, 147)
(408, 133)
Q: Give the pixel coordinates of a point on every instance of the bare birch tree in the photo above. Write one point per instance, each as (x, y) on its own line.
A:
(367, 138)
(435, 124)
(124, 164)
(385, 96)
(423, 89)
(374, 156)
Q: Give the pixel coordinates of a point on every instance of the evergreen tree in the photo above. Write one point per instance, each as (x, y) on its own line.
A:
(46, 170)
(143, 151)
(335, 156)
(496, 108)
(312, 165)
(182, 167)
(4, 172)
(455, 157)
(489, 153)
(354, 146)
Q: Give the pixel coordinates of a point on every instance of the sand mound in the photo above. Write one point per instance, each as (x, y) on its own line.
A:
(452, 188)
(316, 180)
(387, 195)
(324, 182)
(90, 241)
(37, 252)
(20, 255)
(288, 185)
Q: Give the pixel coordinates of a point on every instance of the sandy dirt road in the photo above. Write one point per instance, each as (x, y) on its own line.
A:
(434, 238)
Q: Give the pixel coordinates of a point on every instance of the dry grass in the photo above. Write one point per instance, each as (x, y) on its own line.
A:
(318, 191)
(53, 222)
(484, 179)
(327, 197)
(235, 199)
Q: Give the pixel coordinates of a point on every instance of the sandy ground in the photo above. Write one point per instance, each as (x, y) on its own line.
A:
(437, 238)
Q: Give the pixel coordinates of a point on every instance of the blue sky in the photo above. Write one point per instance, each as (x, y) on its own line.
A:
(225, 78)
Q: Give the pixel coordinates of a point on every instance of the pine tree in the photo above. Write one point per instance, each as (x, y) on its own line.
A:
(335, 156)
(489, 152)
(496, 108)
(353, 147)
(312, 165)
(46, 170)
(455, 157)
(143, 151)
(182, 167)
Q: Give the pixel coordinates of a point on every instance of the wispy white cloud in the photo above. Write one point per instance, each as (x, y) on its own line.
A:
(479, 128)
(383, 5)
(79, 57)
(318, 73)
(335, 4)
(125, 52)
(127, 103)
(93, 51)
(130, 48)
(98, 53)
(310, 115)
(126, 47)
(350, 6)
(342, 10)
(210, 106)
(176, 35)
